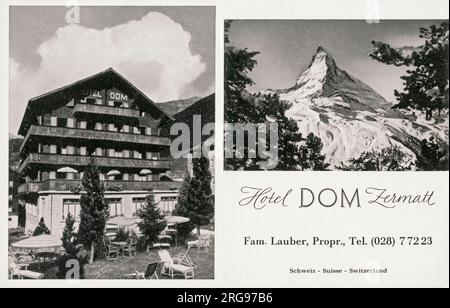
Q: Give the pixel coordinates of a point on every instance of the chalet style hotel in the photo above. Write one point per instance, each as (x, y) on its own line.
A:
(103, 116)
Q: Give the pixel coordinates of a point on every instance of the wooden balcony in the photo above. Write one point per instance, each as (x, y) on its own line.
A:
(92, 135)
(110, 186)
(29, 188)
(105, 110)
(77, 160)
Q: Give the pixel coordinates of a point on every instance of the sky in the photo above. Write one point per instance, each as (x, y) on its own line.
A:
(286, 49)
(167, 52)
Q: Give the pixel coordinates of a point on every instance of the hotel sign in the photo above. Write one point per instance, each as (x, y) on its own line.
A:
(112, 95)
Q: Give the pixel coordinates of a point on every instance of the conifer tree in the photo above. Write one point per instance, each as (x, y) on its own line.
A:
(433, 156)
(41, 228)
(152, 220)
(196, 201)
(425, 86)
(94, 210)
(181, 210)
(68, 239)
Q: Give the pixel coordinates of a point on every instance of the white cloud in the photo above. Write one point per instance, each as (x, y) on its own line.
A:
(153, 53)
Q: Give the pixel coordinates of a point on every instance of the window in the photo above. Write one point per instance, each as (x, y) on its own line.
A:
(81, 124)
(71, 206)
(115, 207)
(47, 119)
(138, 204)
(70, 122)
(53, 121)
(53, 149)
(82, 151)
(167, 204)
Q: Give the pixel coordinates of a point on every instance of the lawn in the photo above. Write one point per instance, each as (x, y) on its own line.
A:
(116, 269)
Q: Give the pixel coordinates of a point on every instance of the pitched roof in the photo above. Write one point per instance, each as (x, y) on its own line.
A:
(57, 93)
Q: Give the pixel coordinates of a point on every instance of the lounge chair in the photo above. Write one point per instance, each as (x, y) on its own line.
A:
(149, 273)
(111, 251)
(15, 271)
(172, 267)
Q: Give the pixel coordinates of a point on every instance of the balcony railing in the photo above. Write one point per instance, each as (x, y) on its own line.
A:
(28, 188)
(77, 160)
(106, 110)
(111, 186)
(85, 134)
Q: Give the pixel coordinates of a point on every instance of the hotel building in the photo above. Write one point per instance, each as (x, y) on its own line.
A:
(103, 116)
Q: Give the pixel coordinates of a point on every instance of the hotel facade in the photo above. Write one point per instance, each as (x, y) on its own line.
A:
(103, 116)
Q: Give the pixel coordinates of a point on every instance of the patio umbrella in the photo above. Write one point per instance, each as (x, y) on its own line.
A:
(145, 172)
(39, 244)
(122, 221)
(176, 220)
(67, 170)
(113, 172)
(126, 223)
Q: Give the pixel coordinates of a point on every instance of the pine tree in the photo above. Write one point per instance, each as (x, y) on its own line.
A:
(315, 160)
(181, 210)
(94, 210)
(433, 156)
(197, 202)
(238, 107)
(41, 228)
(387, 159)
(425, 86)
(270, 106)
(68, 239)
(152, 220)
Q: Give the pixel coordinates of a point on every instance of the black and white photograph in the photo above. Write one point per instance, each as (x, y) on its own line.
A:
(97, 97)
(119, 175)
(347, 95)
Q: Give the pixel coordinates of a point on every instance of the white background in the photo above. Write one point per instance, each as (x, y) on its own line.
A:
(237, 265)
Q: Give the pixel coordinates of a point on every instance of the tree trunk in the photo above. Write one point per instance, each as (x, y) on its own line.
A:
(91, 257)
(198, 230)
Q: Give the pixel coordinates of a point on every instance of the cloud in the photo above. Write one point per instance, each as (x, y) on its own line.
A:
(153, 53)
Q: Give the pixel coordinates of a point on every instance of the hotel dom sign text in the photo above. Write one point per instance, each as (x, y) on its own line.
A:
(113, 95)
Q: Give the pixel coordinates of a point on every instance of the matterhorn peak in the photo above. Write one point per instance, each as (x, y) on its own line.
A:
(315, 75)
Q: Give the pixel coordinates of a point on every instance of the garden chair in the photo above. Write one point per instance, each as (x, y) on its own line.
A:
(130, 249)
(203, 241)
(171, 267)
(15, 271)
(111, 252)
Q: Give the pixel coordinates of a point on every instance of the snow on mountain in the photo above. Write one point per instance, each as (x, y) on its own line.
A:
(350, 117)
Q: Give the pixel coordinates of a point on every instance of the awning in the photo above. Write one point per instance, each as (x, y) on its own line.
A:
(113, 172)
(38, 244)
(145, 172)
(67, 170)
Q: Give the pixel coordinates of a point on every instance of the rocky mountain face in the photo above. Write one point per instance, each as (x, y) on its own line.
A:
(350, 117)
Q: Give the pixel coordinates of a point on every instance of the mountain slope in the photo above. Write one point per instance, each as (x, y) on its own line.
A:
(350, 117)
(176, 106)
